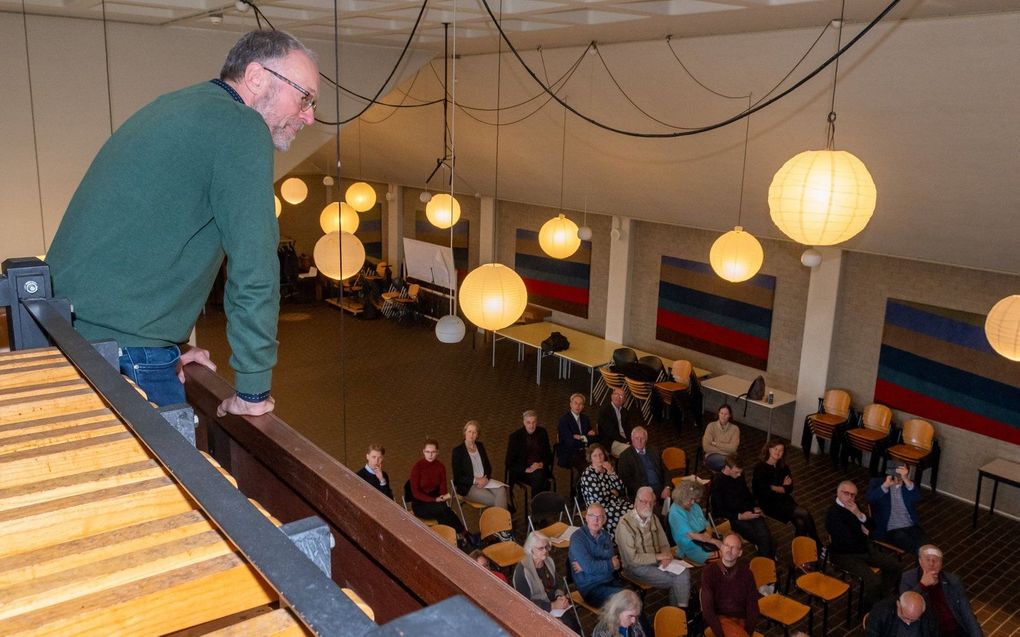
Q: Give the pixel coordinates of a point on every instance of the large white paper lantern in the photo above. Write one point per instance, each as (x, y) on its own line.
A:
(736, 256)
(327, 255)
(558, 237)
(339, 216)
(1002, 327)
(443, 210)
(360, 196)
(822, 197)
(293, 190)
(493, 296)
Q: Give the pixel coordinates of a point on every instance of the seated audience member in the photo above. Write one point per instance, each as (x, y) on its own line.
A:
(472, 470)
(429, 493)
(729, 598)
(528, 454)
(592, 557)
(644, 547)
(851, 550)
(575, 432)
(721, 439)
(615, 424)
(599, 483)
(901, 617)
(478, 556)
(694, 540)
(535, 578)
(620, 617)
(944, 594)
(641, 465)
(894, 506)
(772, 485)
(731, 499)
(373, 473)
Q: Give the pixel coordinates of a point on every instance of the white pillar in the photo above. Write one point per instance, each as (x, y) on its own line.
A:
(816, 350)
(616, 292)
(487, 231)
(395, 226)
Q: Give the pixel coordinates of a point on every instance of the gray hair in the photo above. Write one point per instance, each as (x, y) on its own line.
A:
(930, 549)
(688, 490)
(609, 616)
(531, 413)
(259, 47)
(534, 538)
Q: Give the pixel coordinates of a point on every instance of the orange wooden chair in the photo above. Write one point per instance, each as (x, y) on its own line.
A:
(814, 583)
(827, 423)
(918, 448)
(873, 435)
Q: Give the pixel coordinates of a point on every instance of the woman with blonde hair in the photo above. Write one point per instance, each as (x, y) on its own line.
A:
(620, 616)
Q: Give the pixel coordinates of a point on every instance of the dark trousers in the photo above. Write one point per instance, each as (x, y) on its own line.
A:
(756, 532)
(876, 585)
(910, 538)
(804, 524)
(537, 480)
(439, 512)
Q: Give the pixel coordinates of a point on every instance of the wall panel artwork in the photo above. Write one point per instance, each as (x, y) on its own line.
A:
(937, 364)
(558, 284)
(370, 231)
(425, 231)
(700, 311)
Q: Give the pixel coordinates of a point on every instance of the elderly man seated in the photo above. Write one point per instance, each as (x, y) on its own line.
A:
(644, 548)
(593, 558)
(944, 594)
(641, 465)
(729, 598)
(894, 504)
(614, 424)
(902, 617)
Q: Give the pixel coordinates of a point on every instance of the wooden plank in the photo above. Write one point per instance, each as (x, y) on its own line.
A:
(277, 623)
(22, 392)
(37, 374)
(66, 486)
(44, 406)
(23, 427)
(40, 525)
(56, 436)
(69, 458)
(172, 601)
(30, 354)
(67, 556)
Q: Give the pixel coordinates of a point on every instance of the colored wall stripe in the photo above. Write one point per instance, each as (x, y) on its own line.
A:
(940, 326)
(558, 284)
(756, 347)
(711, 283)
(552, 290)
(758, 280)
(707, 316)
(712, 349)
(991, 366)
(716, 304)
(930, 408)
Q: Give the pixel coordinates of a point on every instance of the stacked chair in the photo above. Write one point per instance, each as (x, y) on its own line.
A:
(874, 434)
(918, 448)
(828, 423)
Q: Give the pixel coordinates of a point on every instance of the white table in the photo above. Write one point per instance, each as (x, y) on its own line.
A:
(585, 350)
(734, 386)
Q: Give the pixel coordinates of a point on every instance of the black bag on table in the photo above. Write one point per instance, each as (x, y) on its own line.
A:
(755, 392)
(555, 343)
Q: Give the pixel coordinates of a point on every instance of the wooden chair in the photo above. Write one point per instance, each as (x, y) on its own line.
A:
(642, 392)
(816, 584)
(495, 520)
(670, 621)
(641, 587)
(776, 607)
(872, 435)
(461, 501)
(407, 305)
(389, 300)
(918, 448)
(546, 506)
(610, 380)
(679, 382)
(448, 533)
(674, 459)
(827, 423)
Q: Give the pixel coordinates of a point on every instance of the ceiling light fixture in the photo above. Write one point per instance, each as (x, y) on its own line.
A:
(1002, 327)
(559, 236)
(823, 197)
(293, 190)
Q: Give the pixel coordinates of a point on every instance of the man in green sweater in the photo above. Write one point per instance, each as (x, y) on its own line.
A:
(184, 182)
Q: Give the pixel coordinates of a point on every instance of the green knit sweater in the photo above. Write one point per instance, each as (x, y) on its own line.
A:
(184, 181)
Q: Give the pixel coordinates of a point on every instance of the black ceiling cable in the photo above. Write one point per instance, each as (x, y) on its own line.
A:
(702, 129)
(669, 38)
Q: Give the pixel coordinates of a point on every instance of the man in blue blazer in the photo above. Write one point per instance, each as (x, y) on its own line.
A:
(576, 433)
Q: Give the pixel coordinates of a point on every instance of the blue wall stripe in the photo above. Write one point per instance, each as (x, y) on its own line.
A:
(724, 320)
(759, 280)
(716, 304)
(936, 326)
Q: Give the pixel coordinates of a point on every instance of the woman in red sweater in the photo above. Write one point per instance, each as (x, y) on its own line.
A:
(429, 492)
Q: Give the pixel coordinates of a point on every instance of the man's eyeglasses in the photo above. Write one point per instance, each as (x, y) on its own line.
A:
(307, 101)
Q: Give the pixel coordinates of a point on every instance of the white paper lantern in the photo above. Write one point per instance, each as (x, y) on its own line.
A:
(443, 210)
(327, 255)
(278, 205)
(493, 296)
(293, 190)
(584, 233)
(558, 237)
(450, 329)
(811, 258)
(360, 196)
(1002, 327)
(339, 216)
(736, 256)
(822, 197)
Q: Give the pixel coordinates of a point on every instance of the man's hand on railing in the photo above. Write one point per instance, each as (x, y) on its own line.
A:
(194, 355)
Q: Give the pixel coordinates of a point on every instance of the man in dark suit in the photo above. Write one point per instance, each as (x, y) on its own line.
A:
(615, 424)
(576, 433)
(373, 473)
(641, 465)
(528, 455)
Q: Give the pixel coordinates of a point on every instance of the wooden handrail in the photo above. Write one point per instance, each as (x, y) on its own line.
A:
(393, 561)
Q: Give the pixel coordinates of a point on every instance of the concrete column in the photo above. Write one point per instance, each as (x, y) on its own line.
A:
(816, 351)
(395, 226)
(487, 231)
(619, 269)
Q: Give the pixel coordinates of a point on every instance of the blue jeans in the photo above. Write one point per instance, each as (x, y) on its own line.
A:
(599, 593)
(154, 369)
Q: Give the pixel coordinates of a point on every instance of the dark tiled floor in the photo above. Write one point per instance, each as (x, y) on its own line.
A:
(395, 385)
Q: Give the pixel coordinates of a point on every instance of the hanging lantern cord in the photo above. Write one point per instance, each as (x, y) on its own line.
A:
(743, 167)
(830, 137)
(563, 158)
